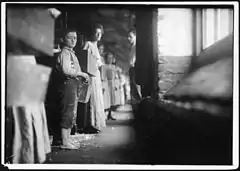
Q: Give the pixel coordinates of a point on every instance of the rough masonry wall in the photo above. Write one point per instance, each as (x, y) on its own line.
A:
(170, 70)
(174, 32)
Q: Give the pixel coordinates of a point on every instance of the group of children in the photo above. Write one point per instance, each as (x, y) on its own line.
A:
(106, 86)
(113, 83)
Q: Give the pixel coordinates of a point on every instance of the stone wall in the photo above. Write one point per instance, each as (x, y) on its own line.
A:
(175, 46)
(170, 70)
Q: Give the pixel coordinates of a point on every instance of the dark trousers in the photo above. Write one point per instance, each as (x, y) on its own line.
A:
(83, 115)
(68, 103)
(135, 89)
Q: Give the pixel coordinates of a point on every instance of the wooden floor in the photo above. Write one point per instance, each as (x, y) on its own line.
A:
(115, 144)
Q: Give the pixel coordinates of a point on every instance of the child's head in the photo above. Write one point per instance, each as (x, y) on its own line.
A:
(69, 38)
(97, 32)
(101, 49)
(110, 58)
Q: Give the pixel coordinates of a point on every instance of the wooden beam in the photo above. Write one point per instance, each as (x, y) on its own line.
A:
(146, 48)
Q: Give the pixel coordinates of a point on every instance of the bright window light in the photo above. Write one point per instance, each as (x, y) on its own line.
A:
(175, 32)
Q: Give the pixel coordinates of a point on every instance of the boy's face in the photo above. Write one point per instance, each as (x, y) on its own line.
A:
(71, 39)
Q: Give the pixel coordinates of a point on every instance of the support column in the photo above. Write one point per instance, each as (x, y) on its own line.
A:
(146, 50)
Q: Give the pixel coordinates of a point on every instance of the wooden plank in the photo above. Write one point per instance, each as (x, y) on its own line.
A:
(35, 27)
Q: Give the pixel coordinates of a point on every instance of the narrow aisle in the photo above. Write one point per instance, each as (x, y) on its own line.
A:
(114, 145)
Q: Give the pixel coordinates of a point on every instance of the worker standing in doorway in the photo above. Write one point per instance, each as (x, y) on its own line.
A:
(135, 90)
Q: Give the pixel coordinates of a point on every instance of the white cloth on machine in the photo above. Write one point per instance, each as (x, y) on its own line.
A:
(31, 139)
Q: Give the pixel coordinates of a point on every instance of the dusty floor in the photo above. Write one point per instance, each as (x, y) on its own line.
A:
(113, 145)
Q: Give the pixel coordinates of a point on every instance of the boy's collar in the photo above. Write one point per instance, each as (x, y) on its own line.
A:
(65, 47)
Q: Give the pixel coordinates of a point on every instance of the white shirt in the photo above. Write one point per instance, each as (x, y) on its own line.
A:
(96, 54)
(132, 55)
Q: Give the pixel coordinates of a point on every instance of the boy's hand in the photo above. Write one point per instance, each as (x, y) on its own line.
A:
(85, 76)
